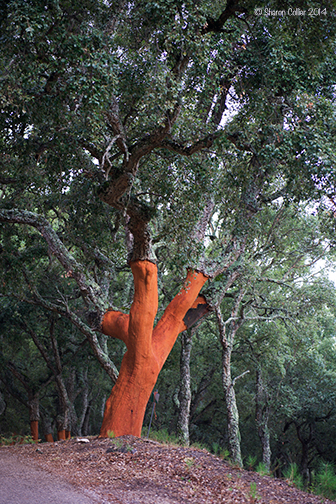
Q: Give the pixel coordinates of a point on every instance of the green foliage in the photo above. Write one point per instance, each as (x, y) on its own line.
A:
(325, 481)
(293, 476)
(262, 469)
(16, 439)
(250, 462)
(162, 436)
(253, 491)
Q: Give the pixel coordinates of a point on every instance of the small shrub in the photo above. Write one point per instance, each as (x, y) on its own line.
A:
(163, 436)
(293, 476)
(215, 448)
(16, 439)
(117, 442)
(251, 462)
(262, 469)
(253, 492)
(198, 445)
(189, 462)
(225, 455)
(326, 481)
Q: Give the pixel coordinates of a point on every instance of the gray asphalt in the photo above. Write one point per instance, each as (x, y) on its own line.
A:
(26, 484)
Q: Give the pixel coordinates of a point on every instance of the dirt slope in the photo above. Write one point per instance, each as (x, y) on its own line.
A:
(129, 470)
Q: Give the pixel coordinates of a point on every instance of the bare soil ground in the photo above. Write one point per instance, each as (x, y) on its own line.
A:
(130, 470)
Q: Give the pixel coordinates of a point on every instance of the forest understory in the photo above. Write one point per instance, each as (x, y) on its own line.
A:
(129, 470)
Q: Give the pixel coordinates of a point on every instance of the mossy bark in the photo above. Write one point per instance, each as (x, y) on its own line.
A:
(262, 417)
(185, 389)
(147, 348)
(232, 411)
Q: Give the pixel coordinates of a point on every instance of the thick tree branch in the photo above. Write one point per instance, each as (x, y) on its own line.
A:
(204, 143)
(171, 322)
(89, 288)
(90, 335)
(216, 25)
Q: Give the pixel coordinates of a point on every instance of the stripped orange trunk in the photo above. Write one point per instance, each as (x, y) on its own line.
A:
(34, 429)
(61, 435)
(147, 348)
(49, 438)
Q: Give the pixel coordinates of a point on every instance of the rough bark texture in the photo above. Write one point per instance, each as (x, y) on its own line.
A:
(185, 389)
(262, 416)
(228, 383)
(232, 411)
(147, 348)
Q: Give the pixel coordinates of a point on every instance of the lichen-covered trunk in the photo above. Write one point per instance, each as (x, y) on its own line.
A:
(185, 389)
(147, 348)
(231, 409)
(62, 419)
(262, 417)
(85, 403)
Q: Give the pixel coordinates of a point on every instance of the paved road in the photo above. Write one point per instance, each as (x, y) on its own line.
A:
(26, 484)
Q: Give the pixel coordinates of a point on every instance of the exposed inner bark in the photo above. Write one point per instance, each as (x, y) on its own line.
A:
(61, 435)
(34, 429)
(147, 348)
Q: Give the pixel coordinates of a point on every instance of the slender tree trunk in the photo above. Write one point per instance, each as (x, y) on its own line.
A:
(62, 420)
(72, 392)
(231, 409)
(86, 421)
(85, 402)
(34, 416)
(262, 417)
(185, 389)
(228, 383)
(305, 443)
(147, 349)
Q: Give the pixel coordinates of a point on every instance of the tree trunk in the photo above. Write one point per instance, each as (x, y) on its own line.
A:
(85, 402)
(228, 383)
(305, 441)
(232, 410)
(86, 421)
(46, 428)
(262, 417)
(34, 416)
(185, 389)
(61, 435)
(147, 349)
